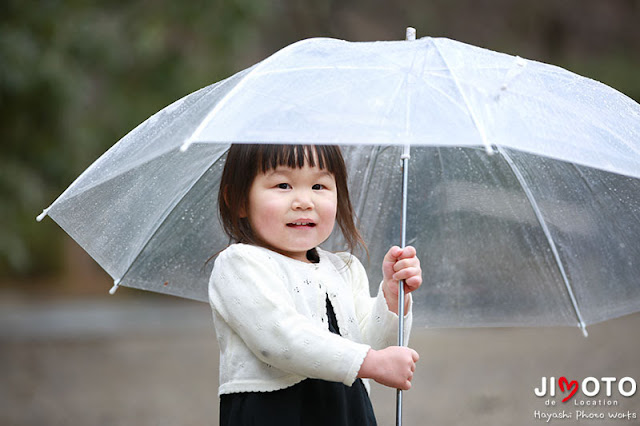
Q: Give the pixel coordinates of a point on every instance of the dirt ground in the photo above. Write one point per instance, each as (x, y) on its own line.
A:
(122, 361)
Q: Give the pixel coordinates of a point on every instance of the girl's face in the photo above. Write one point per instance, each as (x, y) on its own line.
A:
(292, 210)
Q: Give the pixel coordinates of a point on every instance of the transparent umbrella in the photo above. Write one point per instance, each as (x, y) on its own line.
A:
(523, 187)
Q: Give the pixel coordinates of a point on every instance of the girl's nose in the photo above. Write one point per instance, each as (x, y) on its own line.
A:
(302, 201)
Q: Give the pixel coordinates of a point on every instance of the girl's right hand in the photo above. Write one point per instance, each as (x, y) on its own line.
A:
(392, 366)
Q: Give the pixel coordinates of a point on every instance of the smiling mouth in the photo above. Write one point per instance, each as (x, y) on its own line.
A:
(298, 224)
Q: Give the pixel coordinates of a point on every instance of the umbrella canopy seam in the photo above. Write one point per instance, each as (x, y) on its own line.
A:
(474, 118)
(578, 117)
(114, 148)
(547, 233)
(248, 74)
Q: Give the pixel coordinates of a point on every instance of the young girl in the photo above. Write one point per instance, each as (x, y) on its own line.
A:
(296, 325)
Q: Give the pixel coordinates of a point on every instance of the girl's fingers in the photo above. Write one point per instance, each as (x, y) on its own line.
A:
(412, 279)
(412, 262)
(407, 252)
(392, 254)
(412, 274)
(406, 272)
(402, 264)
(395, 253)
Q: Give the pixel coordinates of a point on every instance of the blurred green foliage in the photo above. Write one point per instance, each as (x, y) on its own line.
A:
(76, 76)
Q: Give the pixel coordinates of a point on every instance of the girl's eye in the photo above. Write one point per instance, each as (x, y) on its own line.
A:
(317, 186)
(283, 186)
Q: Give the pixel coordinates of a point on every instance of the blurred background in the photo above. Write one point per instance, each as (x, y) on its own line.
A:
(76, 76)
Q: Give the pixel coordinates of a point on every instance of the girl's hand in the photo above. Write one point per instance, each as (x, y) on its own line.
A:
(400, 264)
(392, 366)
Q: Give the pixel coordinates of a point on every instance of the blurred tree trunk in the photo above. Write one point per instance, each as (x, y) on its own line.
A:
(80, 273)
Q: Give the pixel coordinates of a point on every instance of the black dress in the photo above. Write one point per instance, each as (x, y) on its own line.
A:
(308, 403)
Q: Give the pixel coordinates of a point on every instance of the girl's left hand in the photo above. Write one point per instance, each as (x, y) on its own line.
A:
(400, 264)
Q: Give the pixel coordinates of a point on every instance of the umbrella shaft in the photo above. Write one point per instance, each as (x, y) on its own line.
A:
(403, 242)
(398, 407)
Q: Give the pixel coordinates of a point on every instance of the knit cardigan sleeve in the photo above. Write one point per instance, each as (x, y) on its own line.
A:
(248, 292)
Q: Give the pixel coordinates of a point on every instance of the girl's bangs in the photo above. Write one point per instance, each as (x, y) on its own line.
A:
(296, 156)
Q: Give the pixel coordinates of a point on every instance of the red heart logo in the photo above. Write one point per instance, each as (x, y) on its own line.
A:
(572, 387)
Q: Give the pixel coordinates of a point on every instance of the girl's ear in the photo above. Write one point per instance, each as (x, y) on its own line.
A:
(242, 211)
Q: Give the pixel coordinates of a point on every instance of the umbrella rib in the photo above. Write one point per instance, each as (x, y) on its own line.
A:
(474, 118)
(102, 180)
(569, 109)
(144, 159)
(249, 72)
(547, 233)
(166, 214)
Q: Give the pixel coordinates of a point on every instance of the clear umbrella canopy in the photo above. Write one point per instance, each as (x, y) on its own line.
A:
(542, 232)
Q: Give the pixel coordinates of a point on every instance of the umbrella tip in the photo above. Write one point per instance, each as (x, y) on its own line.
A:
(583, 327)
(42, 215)
(411, 33)
(116, 284)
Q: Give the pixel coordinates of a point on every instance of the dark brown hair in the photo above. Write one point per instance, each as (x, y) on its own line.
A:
(245, 161)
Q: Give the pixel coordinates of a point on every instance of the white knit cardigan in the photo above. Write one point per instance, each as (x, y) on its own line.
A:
(271, 321)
